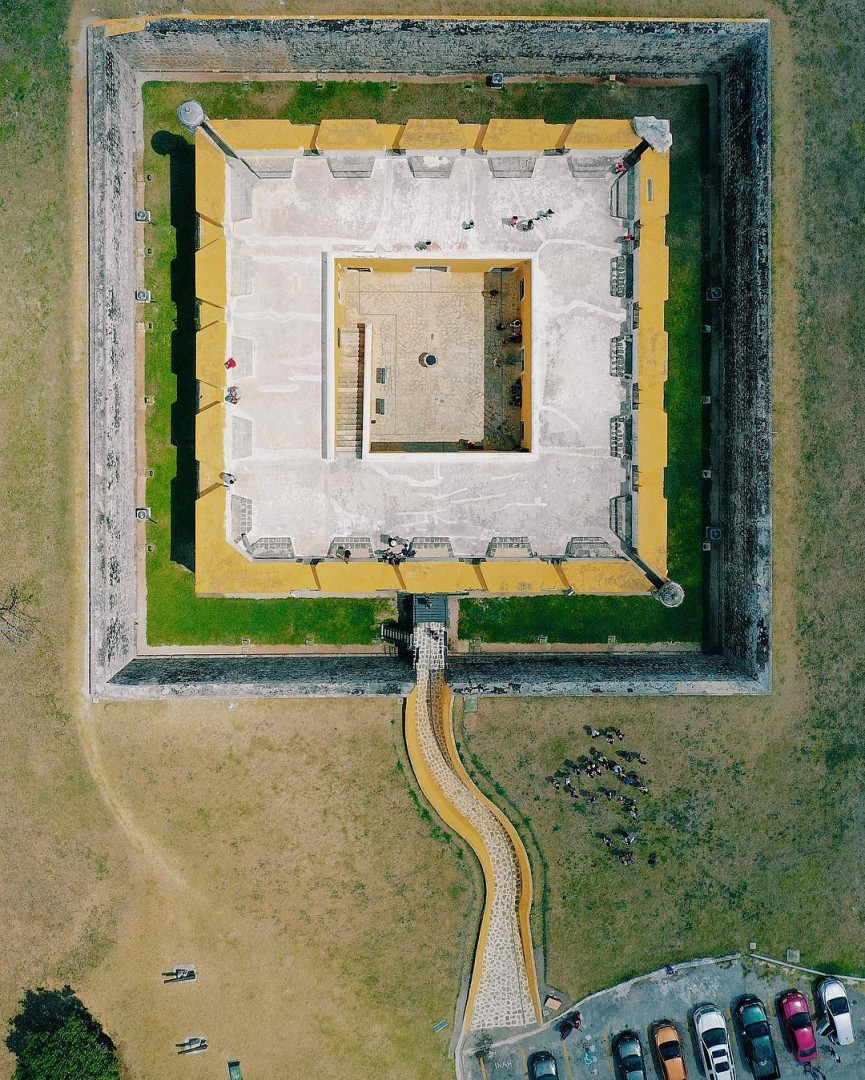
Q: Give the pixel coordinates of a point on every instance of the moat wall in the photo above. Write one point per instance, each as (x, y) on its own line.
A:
(733, 56)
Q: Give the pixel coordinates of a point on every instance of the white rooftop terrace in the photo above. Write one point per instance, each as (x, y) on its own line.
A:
(562, 489)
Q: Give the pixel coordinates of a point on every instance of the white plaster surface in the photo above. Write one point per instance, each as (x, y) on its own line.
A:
(561, 490)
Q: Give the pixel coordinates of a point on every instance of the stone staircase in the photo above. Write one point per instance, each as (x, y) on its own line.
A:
(349, 393)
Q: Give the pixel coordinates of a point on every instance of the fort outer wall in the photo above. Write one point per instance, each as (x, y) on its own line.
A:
(733, 57)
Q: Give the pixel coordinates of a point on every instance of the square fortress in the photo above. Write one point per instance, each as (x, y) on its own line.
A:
(490, 393)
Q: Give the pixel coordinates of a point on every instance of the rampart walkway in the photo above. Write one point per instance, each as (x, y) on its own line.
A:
(503, 991)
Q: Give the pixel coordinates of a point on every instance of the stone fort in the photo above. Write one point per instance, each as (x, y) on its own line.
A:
(244, 541)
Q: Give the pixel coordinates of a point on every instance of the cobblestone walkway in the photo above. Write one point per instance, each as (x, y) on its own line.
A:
(503, 997)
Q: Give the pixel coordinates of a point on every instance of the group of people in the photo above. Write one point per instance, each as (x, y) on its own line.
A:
(396, 552)
(593, 765)
(526, 224)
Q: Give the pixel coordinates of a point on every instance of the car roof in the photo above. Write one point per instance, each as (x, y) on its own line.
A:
(706, 1012)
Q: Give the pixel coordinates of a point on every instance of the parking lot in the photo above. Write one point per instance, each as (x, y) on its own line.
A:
(638, 1004)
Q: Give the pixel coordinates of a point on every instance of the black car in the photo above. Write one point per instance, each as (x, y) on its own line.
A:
(542, 1066)
(757, 1038)
(629, 1055)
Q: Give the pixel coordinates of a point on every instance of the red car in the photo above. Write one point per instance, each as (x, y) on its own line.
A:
(800, 1030)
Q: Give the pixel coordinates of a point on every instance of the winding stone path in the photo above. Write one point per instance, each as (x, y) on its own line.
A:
(503, 997)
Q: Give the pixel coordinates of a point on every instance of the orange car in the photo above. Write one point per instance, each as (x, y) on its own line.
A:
(668, 1044)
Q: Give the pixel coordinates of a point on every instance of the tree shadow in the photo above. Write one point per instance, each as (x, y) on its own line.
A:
(184, 484)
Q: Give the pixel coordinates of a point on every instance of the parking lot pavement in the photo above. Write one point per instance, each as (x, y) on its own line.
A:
(586, 1054)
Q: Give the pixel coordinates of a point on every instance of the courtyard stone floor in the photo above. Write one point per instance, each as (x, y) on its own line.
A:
(279, 301)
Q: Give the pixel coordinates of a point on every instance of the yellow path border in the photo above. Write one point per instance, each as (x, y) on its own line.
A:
(456, 821)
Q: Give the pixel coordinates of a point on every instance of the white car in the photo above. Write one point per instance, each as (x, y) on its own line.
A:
(714, 1043)
(836, 1011)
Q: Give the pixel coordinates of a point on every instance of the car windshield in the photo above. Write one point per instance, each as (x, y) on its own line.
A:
(799, 1021)
(670, 1050)
(633, 1068)
(757, 1031)
(722, 1067)
(838, 1006)
(544, 1067)
(714, 1037)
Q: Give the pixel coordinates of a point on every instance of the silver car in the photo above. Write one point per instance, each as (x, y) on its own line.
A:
(836, 1012)
(714, 1043)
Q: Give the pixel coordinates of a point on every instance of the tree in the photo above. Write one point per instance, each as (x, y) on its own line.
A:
(17, 621)
(54, 1037)
(484, 1046)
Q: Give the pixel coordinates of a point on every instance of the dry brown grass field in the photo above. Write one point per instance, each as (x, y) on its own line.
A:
(277, 844)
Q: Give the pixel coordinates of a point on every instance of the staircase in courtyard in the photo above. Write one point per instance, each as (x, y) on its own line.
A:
(349, 393)
(503, 990)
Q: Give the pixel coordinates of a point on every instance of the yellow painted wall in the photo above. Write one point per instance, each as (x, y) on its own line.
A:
(432, 135)
(210, 273)
(654, 167)
(404, 266)
(209, 178)
(211, 354)
(210, 445)
(507, 135)
(650, 519)
(605, 577)
(265, 134)
(357, 135)
(601, 135)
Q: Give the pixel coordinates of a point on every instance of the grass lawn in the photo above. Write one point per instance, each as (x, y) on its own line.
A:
(330, 914)
(755, 840)
(174, 614)
(593, 619)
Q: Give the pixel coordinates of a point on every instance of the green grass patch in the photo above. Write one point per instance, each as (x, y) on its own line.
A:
(174, 614)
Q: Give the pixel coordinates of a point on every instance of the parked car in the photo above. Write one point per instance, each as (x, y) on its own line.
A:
(714, 1043)
(757, 1038)
(629, 1054)
(800, 1030)
(668, 1045)
(836, 1009)
(542, 1066)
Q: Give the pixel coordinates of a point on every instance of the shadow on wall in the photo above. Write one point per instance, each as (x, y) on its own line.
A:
(183, 485)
